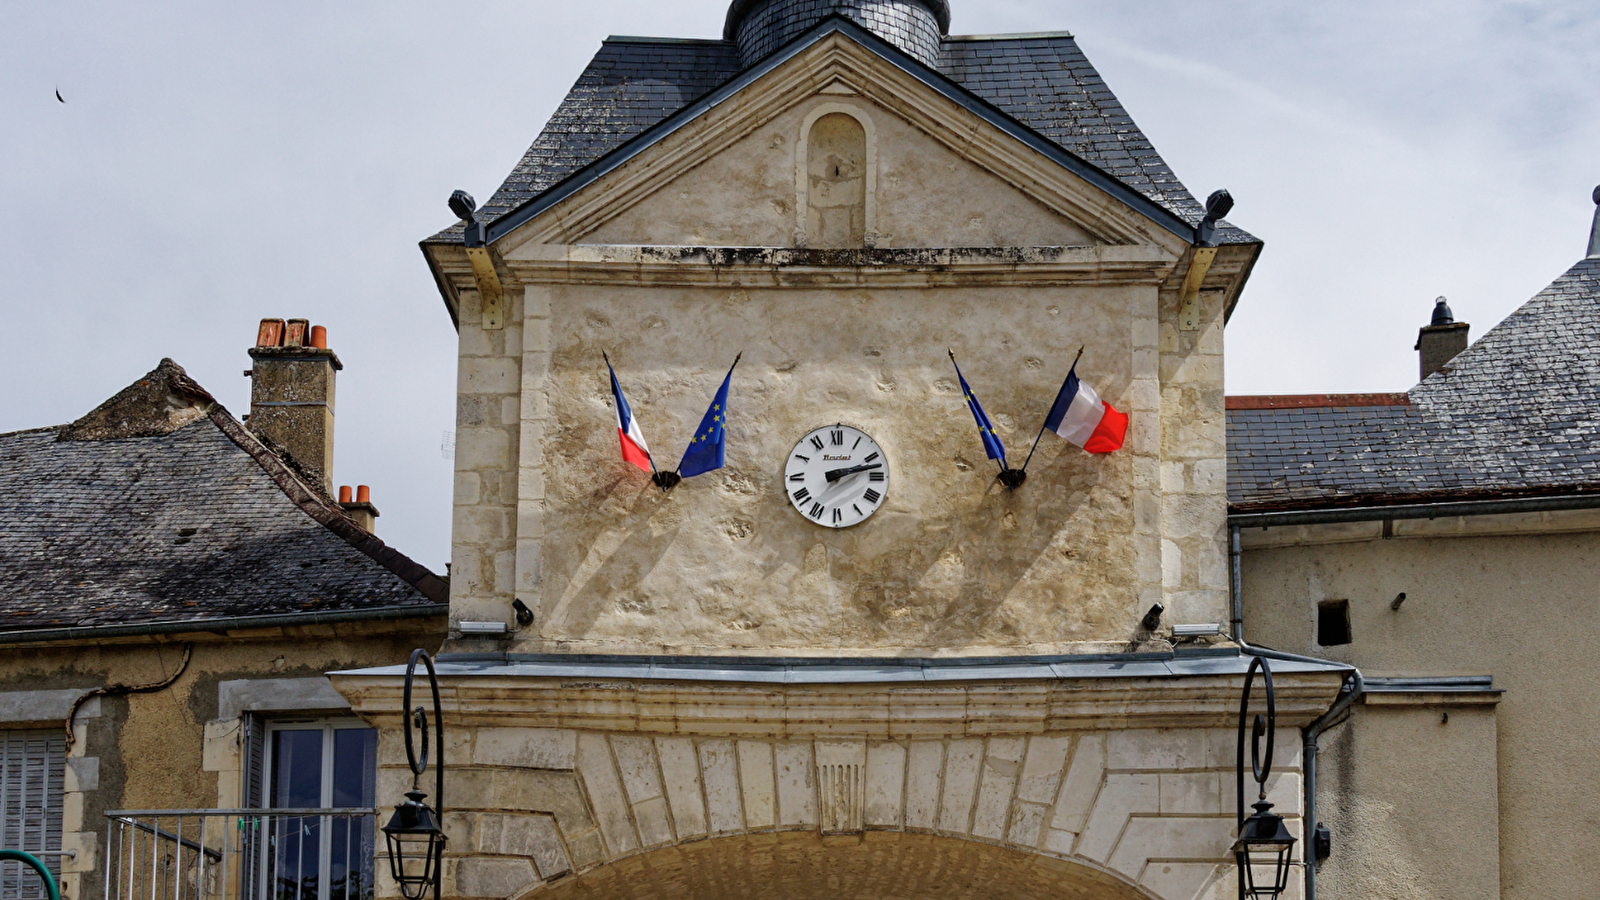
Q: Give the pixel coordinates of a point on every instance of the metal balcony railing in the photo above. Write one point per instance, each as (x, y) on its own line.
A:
(240, 854)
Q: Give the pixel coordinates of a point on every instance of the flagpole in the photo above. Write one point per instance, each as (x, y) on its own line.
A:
(738, 356)
(655, 474)
(1047, 415)
(1001, 462)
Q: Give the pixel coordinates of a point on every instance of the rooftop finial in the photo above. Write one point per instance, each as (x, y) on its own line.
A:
(1594, 230)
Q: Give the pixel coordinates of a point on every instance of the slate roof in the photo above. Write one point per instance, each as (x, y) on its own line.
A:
(200, 523)
(1515, 414)
(1042, 81)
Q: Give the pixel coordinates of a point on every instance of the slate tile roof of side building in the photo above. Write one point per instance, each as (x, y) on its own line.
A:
(149, 511)
(1042, 81)
(1515, 414)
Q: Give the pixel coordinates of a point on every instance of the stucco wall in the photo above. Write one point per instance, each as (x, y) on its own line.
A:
(1519, 608)
(170, 749)
(1410, 795)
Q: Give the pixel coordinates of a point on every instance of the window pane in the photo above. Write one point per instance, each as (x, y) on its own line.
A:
(355, 772)
(297, 769)
(355, 766)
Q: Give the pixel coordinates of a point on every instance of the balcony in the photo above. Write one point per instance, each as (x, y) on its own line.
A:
(240, 854)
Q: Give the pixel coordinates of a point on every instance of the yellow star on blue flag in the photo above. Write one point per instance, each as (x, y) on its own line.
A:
(991, 441)
(706, 452)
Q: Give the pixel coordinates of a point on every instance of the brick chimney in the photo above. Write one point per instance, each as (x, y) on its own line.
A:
(360, 507)
(1439, 343)
(291, 398)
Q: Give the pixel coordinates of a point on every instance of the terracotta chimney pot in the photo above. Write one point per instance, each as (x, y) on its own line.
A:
(344, 493)
(363, 494)
(319, 337)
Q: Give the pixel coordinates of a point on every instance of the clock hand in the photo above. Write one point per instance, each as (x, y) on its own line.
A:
(835, 474)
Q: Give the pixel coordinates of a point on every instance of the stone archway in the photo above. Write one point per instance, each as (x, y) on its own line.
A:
(808, 866)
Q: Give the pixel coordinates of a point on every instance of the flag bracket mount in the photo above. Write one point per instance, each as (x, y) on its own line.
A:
(1012, 478)
(666, 480)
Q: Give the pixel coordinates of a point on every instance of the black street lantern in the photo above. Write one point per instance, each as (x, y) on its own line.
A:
(416, 842)
(1265, 847)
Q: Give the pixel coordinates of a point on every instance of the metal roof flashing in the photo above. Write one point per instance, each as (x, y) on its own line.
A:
(880, 670)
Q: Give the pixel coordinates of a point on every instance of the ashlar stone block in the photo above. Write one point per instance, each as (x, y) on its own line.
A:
(924, 776)
(886, 777)
(1081, 785)
(680, 773)
(756, 782)
(493, 877)
(533, 748)
(719, 768)
(604, 788)
(797, 794)
(1119, 799)
(961, 773)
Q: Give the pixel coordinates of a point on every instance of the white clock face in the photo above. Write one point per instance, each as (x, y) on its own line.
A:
(836, 476)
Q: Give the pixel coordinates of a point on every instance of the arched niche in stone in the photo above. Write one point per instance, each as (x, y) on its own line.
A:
(837, 179)
(808, 866)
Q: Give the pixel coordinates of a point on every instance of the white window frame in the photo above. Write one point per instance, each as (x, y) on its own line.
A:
(271, 725)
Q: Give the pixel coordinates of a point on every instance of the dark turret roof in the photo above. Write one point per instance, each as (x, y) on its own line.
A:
(740, 8)
(1043, 82)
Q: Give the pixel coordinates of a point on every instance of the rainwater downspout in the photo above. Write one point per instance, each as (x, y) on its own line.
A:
(1354, 689)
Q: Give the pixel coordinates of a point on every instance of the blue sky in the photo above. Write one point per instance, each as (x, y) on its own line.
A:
(217, 163)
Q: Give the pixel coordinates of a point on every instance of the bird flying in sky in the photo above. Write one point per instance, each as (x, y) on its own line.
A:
(58, 95)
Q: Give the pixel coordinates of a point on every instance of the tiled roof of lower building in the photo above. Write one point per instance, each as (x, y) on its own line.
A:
(1042, 81)
(1515, 414)
(198, 523)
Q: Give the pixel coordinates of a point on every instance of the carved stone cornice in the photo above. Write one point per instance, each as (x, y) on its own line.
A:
(499, 696)
(878, 268)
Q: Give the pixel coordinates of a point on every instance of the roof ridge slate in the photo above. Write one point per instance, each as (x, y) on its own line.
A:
(316, 503)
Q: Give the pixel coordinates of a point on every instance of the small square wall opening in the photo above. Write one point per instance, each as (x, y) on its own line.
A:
(1333, 622)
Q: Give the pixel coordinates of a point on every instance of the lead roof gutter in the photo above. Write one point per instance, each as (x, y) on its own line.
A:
(608, 163)
(1441, 510)
(231, 623)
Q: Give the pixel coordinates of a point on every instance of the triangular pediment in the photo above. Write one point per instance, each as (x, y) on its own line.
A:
(941, 169)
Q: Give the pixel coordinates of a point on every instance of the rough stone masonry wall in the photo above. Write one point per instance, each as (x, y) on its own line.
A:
(566, 802)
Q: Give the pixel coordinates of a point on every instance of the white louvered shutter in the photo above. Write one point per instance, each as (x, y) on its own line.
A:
(31, 764)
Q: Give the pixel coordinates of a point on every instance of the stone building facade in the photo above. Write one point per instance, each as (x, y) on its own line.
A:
(176, 585)
(1445, 541)
(701, 692)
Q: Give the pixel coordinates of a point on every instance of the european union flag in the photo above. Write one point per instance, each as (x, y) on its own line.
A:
(710, 442)
(991, 441)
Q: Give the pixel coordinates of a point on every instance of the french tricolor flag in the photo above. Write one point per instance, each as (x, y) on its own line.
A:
(1080, 416)
(634, 449)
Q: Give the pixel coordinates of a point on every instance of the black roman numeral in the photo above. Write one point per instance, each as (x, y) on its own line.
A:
(801, 495)
(816, 511)
(802, 458)
(798, 476)
(816, 442)
(838, 439)
(856, 444)
(876, 476)
(856, 508)
(871, 496)
(871, 458)
(837, 515)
